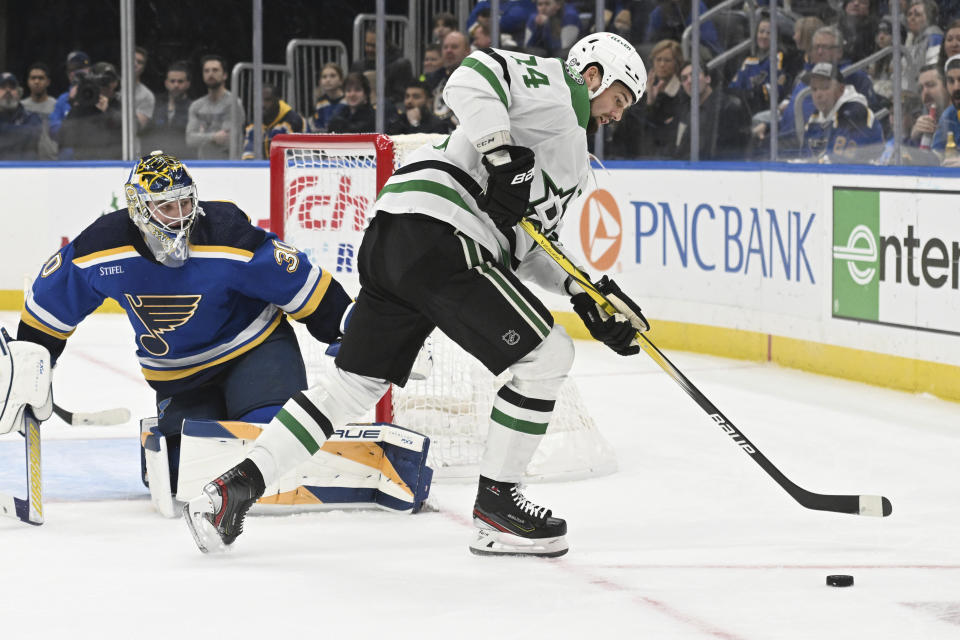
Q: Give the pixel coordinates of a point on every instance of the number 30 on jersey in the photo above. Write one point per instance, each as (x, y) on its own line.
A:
(284, 253)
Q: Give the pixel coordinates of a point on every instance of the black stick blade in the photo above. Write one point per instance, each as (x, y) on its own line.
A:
(876, 506)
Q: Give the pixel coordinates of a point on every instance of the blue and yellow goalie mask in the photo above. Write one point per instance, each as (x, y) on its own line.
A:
(162, 202)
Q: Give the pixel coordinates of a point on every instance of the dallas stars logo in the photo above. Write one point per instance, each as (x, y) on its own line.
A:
(551, 206)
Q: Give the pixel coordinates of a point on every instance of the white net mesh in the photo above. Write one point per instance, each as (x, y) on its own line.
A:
(328, 189)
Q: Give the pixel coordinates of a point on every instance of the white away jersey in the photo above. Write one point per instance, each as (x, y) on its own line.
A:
(544, 105)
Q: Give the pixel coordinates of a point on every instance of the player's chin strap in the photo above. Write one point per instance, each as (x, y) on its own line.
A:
(865, 505)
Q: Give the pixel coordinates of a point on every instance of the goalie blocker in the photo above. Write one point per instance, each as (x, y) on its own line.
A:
(375, 465)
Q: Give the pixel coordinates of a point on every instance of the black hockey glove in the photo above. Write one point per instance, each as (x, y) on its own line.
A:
(619, 331)
(508, 185)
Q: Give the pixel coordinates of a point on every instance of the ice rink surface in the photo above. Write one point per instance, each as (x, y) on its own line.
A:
(689, 540)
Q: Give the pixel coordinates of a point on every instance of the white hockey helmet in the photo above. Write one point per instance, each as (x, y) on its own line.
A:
(617, 58)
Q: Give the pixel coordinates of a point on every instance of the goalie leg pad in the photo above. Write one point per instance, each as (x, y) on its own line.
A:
(157, 467)
(25, 379)
(370, 465)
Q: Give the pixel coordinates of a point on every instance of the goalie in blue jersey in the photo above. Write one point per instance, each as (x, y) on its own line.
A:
(207, 293)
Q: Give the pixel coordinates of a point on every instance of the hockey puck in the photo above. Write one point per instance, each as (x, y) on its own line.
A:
(840, 581)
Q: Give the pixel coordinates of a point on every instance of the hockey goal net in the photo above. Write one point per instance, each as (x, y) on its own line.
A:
(322, 188)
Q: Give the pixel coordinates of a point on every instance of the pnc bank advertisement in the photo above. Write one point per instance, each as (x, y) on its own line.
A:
(866, 261)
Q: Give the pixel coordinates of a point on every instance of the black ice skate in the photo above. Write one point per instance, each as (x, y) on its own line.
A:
(215, 519)
(507, 524)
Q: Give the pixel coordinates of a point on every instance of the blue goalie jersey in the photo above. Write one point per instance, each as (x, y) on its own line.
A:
(190, 322)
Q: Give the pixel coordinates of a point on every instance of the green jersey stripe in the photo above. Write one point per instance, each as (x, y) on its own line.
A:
(489, 76)
(524, 426)
(298, 430)
(427, 186)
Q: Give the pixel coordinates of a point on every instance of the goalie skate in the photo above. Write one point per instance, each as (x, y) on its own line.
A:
(507, 524)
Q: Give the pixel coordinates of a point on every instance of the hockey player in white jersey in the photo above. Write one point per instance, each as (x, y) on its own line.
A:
(444, 251)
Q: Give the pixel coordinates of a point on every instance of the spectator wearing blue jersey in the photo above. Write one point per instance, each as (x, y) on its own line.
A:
(330, 98)
(826, 46)
(752, 81)
(78, 64)
(19, 129)
(93, 128)
(843, 128)
(553, 29)
(950, 120)
(670, 18)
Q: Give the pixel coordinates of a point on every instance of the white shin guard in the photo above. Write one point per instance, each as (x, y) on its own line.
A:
(523, 407)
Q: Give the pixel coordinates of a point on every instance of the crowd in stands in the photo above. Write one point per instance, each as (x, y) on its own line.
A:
(834, 84)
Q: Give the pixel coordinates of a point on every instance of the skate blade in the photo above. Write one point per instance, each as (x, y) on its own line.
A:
(487, 542)
(204, 533)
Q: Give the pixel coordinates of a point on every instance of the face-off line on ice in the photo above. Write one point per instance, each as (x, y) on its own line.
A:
(488, 202)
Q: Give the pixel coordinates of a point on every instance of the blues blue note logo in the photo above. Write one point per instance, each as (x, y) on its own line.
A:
(159, 315)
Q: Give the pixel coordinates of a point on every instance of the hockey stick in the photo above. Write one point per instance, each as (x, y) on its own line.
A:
(102, 418)
(29, 509)
(863, 505)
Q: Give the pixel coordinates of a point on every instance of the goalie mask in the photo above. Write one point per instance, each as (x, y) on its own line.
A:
(617, 59)
(162, 202)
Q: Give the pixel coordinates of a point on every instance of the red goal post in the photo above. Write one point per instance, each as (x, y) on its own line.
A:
(291, 208)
